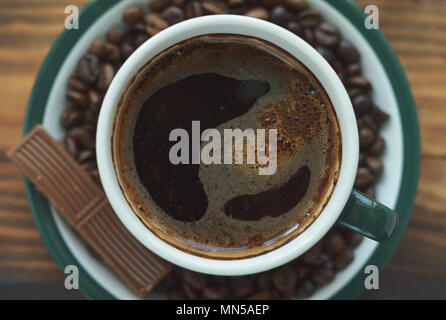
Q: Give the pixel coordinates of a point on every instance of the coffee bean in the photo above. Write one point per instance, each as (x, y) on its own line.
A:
(260, 295)
(172, 15)
(366, 137)
(364, 178)
(71, 146)
(89, 128)
(294, 27)
(275, 294)
(242, 287)
(328, 55)
(114, 37)
(193, 9)
(214, 7)
(89, 166)
(88, 68)
(374, 164)
(337, 66)
(215, 292)
(78, 98)
(220, 280)
(360, 122)
(235, 3)
(126, 50)
(379, 115)
(287, 295)
(135, 30)
(94, 175)
(154, 23)
(111, 53)
(82, 137)
(258, 12)
(322, 259)
(240, 10)
(91, 118)
(128, 37)
(195, 280)
(327, 35)
(309, 18)
(352, 238)
(140, 39)
(302, 270)
(176, 294)
(95, 101)
(361, 158)
(329, 263)
(296, 5)
(284, 278)
(305, 288)
(105, 76)
(313, 253)
(133, 15)
(158, 5)
(322, 275)
(84, 156)
(347, 53)
(131, 35)
(76, 84)
(179, 3)
(270, 3)
(342, 78)
(359, 82)
(362, 103)
(97, 48)
(190, 292)
(343, 259)
(308, 36)
(353, 92)
(252, 3)
(168, 282)
(352, 69)
(333, 244)
(281, 16)
(264, 280)
(71, 117)
(377, 147)
(369, 122)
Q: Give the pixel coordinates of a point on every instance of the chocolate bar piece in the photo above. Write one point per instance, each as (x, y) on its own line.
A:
(84, 205)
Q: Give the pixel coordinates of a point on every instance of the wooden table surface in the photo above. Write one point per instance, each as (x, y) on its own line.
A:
(415, 28)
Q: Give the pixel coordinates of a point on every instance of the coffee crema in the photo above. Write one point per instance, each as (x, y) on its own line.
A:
(226, 81)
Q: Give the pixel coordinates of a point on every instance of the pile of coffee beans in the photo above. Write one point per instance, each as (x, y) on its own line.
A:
(96, 69)
(301, 277)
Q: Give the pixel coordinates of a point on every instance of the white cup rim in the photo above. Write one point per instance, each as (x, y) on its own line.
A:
(288, 41)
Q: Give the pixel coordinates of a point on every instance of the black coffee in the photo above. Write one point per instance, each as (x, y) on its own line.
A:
(226, 82)
(210, 98)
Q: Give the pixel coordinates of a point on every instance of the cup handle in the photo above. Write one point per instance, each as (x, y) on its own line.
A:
(368, 217)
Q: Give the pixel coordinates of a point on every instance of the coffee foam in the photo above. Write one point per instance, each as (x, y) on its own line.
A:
(216, 235)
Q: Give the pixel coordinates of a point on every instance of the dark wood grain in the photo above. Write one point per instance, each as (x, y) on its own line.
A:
(27, 31)
(415, 28)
